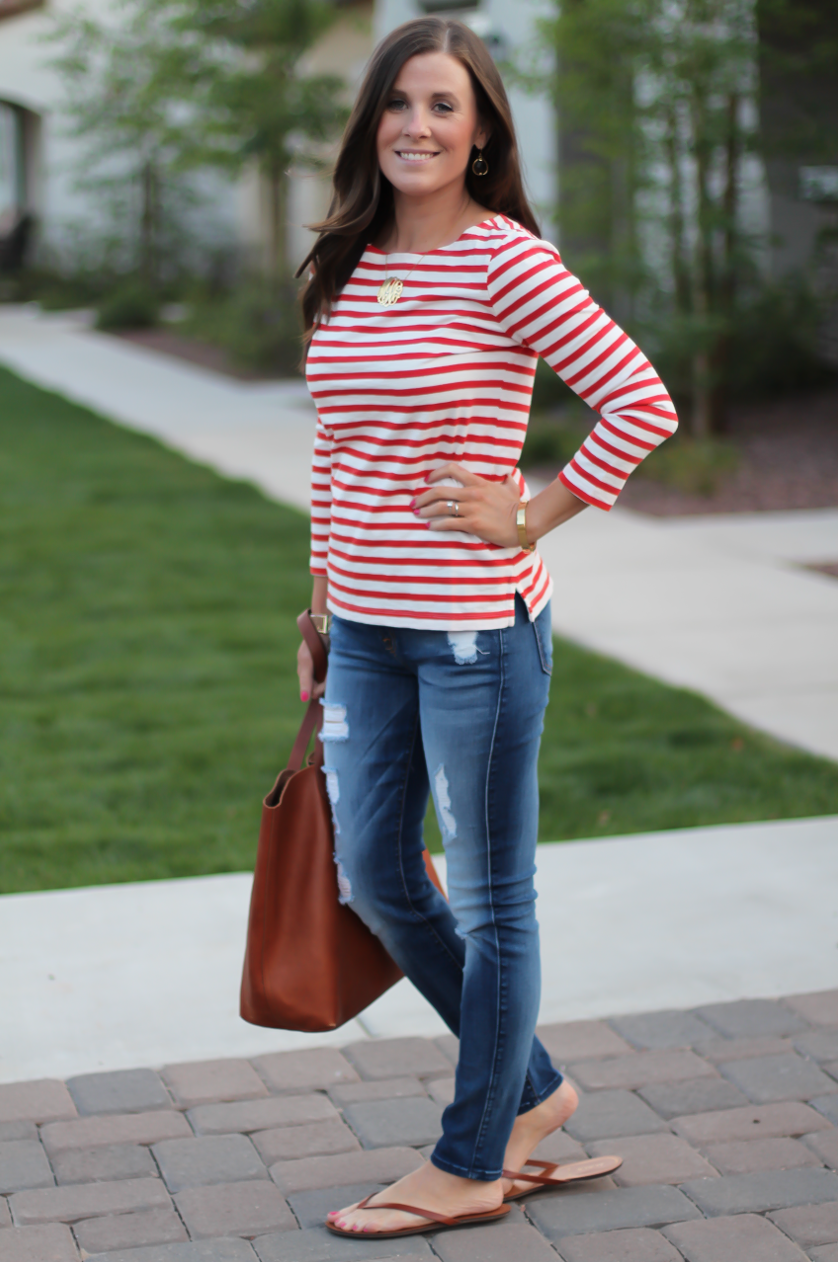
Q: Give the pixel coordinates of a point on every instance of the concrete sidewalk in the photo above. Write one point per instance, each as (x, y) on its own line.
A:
(118, 976)
(717, 604)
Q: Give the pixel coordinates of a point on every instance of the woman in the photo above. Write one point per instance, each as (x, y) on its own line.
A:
(429, 300)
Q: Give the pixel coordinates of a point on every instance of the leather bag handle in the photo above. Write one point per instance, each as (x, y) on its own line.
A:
(315, 645)
(312, 722)
(313, 717)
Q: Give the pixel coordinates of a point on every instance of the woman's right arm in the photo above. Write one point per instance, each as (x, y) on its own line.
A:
(305, 666)
(321, 515)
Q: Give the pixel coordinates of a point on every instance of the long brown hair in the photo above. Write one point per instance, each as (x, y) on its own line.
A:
(362, 198)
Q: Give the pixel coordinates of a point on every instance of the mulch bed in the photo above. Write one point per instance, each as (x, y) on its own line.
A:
(788, 460)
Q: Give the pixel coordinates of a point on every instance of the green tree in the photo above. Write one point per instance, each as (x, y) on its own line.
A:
(656, 103)
(123, 100)
(171, 86)
(799, 74)
(255, 99)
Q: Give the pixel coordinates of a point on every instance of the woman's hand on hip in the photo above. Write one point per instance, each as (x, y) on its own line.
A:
(305, 670)
(478, 506)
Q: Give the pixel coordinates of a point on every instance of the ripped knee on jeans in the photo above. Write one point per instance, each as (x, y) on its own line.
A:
(335, 726)
(344, 884)
(442, 800)
(333, 790)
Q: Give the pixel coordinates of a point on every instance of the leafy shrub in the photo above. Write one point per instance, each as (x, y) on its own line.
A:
(258, 325)
(559, 421)
(550, 441)
(696, 468)
(56, 290)
(772, 345)
(550, 394)
(132, 306)
(775, 342)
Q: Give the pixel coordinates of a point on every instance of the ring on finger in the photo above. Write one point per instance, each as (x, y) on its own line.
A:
(453, 507)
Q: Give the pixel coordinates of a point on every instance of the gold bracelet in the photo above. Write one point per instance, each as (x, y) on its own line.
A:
(322, 622)
(521, 522)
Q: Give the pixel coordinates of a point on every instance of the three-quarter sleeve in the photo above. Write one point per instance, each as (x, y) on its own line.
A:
(321, 499)
(541, 305)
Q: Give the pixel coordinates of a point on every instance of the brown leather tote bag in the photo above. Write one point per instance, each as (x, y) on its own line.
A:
(310, 963)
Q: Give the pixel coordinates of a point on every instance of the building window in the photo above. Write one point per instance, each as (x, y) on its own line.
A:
(819, 184)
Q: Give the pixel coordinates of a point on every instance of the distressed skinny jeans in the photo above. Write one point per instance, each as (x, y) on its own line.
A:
(459, 714)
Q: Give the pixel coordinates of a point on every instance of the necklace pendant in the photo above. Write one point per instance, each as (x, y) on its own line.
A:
(390, 291)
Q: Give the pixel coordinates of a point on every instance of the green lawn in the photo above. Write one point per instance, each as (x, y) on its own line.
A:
(147, 676)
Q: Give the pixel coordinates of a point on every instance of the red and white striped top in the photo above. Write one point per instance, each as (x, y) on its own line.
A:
(446, 374)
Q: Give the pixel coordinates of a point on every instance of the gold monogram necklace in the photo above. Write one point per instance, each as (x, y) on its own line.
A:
(390, 289)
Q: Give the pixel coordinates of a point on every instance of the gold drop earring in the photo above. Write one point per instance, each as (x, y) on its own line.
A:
(480, 166)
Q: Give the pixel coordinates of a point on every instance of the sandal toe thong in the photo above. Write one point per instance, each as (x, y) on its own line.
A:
(555, 1175)
(436, 1220)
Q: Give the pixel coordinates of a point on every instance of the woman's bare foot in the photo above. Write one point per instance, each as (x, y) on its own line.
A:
(530, 1128)
(428, 1187)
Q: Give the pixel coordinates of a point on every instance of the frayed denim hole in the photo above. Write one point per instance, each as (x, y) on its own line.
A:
(442, 800)
(335, 726)
(333, 790)
(344, 884)
(464, 646)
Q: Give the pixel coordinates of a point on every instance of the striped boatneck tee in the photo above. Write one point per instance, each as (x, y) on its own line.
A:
(446, 374)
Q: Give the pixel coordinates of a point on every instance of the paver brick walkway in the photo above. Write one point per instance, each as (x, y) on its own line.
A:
(726, 1118)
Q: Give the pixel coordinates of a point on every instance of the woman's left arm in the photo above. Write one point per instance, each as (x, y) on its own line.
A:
(542, 306)
(489, 509)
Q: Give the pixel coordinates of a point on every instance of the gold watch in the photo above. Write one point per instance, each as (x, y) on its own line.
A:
(521, 522)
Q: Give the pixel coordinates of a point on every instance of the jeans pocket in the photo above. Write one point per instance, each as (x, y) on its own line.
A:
(543, 628)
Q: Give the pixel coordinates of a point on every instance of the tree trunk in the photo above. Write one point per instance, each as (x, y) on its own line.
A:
(278, 261)
(680, 270)
(702, 417)
(148, 224)
(679, 246)
(623, 191)
(727, 279)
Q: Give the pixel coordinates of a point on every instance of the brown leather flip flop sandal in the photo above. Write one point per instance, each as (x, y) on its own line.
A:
(436, 1220)
(559, 1176)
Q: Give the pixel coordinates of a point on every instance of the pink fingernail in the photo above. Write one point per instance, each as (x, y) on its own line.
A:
(412, 504)
(304, 696)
